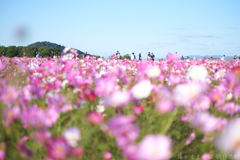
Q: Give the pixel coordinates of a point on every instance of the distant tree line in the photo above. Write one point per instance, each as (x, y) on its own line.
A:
(13, 51)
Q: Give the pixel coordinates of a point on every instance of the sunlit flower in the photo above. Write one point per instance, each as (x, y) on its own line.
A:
(198, 73)
(142, 89)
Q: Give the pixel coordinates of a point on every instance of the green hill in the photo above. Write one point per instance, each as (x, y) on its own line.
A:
(54, 45)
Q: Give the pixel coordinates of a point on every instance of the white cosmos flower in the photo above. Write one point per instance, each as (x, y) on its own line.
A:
(220, 73)
(72, 135)
(154, 72)
(198, 73)
(117, 99)
(100, 108)
(66, 49)
(185, 93)
(142, 89)
(229, 140)
(64, 83)
(229, 96)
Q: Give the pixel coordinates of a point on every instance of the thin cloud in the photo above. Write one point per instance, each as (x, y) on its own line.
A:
(165, 43)
(180, 28)
(203, 44)
(195, 35)
(228, 43)
(233, 27)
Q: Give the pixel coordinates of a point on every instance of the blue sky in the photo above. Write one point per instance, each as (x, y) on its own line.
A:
(101, 27)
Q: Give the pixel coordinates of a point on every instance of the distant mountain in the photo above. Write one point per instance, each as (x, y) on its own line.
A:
(201, 57)
(54, 45)
(207, 56)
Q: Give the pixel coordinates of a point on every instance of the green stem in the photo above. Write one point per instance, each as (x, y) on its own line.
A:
(169, 123)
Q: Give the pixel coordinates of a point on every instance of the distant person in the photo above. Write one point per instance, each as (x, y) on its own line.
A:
(118, 55)
(149, 56)
(133, 56)
(175, 52)
(84, 55)
(182, 58)
(3, 54)
(235, 57)
(38, 55)
(24, 55)
(152, 56)
(52, 54)
(140, 56)
(211, 57)
(223, 57)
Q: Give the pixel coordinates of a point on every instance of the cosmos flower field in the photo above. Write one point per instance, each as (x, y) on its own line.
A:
(90, 109)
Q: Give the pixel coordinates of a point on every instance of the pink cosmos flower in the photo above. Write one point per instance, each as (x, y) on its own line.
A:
(231, 108)
(11, 114)
(172, 57)
(164, 106)
(190, 138)
(215, 95)
(2, 150)
(95, 118)
(107, 155)
(58, 102)
(123, 130)
(104, 87)
(51, 116)
(183, 118)
(2, 65)
(41, 136)
(205, 121)
(118, 121)
(206, 156)
(185, 94)
(138, 110)
(117, 99)
(130, 152)
(9, 95)
(174, 80)
(77, 152)
(58, 148)
(202, 103)
(154, 147)
(126, 134)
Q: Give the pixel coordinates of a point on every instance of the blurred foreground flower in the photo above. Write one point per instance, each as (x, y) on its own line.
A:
(154, 147)
(229, 140)
(142, 89)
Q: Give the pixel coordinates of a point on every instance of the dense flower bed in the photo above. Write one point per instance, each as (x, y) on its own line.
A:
(119, 109)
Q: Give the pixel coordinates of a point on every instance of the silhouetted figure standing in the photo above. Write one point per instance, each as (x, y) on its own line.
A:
(51, 55)
(152, 56)
(149, 56)
(140, 56)
(223, 57)
(84, 55)
(133, 56)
